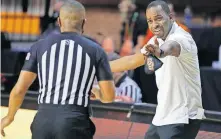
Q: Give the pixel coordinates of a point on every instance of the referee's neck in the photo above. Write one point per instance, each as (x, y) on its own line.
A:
(71, 31)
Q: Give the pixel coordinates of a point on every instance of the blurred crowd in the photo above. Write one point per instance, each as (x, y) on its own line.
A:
(134, 34)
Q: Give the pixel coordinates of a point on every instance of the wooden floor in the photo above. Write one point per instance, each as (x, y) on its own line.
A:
(105, 128)
(20, 128)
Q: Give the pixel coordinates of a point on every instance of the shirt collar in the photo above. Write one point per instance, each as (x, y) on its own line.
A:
(75, 33)
(172, 30)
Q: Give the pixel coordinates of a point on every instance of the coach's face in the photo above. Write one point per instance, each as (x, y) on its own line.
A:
(159, 21)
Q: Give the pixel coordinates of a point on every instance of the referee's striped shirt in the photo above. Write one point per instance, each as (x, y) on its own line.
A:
(66, 65)
(127, 87)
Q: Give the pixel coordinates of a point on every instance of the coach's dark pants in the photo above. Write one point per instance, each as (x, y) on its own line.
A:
(62, 122)
(174, 131)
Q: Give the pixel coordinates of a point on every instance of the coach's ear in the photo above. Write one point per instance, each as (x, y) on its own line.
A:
(59, 21)
(171, 16)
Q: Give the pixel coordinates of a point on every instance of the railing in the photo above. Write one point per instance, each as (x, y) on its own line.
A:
(140, 112)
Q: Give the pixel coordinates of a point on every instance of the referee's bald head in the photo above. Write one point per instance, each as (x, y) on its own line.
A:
(71, 16)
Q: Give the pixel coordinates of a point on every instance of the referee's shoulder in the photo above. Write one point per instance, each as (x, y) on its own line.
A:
(91, 43)
(40, 41)
(37, 44)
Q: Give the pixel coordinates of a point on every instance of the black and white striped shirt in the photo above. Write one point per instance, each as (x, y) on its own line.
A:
(127, 87)
(66, 65)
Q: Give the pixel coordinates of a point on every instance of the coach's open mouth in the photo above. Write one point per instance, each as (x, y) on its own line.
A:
(156, 31)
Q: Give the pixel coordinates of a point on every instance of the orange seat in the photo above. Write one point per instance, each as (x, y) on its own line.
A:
(21, 23)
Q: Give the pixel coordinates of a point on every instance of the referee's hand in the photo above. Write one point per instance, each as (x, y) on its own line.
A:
(6, 121)
(95, 93)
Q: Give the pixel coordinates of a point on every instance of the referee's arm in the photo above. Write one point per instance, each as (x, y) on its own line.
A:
(127, 62)
(26, 78)
(18, 92)
(105, 79)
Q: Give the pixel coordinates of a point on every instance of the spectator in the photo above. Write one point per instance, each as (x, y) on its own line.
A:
(108, 45)
(53, 27)
(127, 48)
(134, 21)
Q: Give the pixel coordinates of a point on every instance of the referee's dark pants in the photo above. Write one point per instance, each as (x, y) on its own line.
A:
(174, 131)
(62, 122)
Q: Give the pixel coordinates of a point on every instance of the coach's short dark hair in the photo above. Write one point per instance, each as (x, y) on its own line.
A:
(163, 4)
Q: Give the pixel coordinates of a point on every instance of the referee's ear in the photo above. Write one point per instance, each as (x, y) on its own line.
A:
(82, 26)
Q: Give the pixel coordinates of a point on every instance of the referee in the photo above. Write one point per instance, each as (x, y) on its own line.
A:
(66, 65)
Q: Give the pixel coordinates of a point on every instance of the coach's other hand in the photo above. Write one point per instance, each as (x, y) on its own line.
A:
(4, 123)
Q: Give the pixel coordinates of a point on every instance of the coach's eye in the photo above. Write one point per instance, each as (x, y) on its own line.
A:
(158, 19)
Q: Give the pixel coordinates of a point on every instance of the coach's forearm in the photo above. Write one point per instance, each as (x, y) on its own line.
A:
(170, 48)
(127, 63)
(16, 98)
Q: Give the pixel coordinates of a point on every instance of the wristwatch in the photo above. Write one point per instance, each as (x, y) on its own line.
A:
(161, 52)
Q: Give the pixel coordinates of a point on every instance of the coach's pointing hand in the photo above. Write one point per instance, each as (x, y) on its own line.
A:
(4, 123)
(154, 48)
